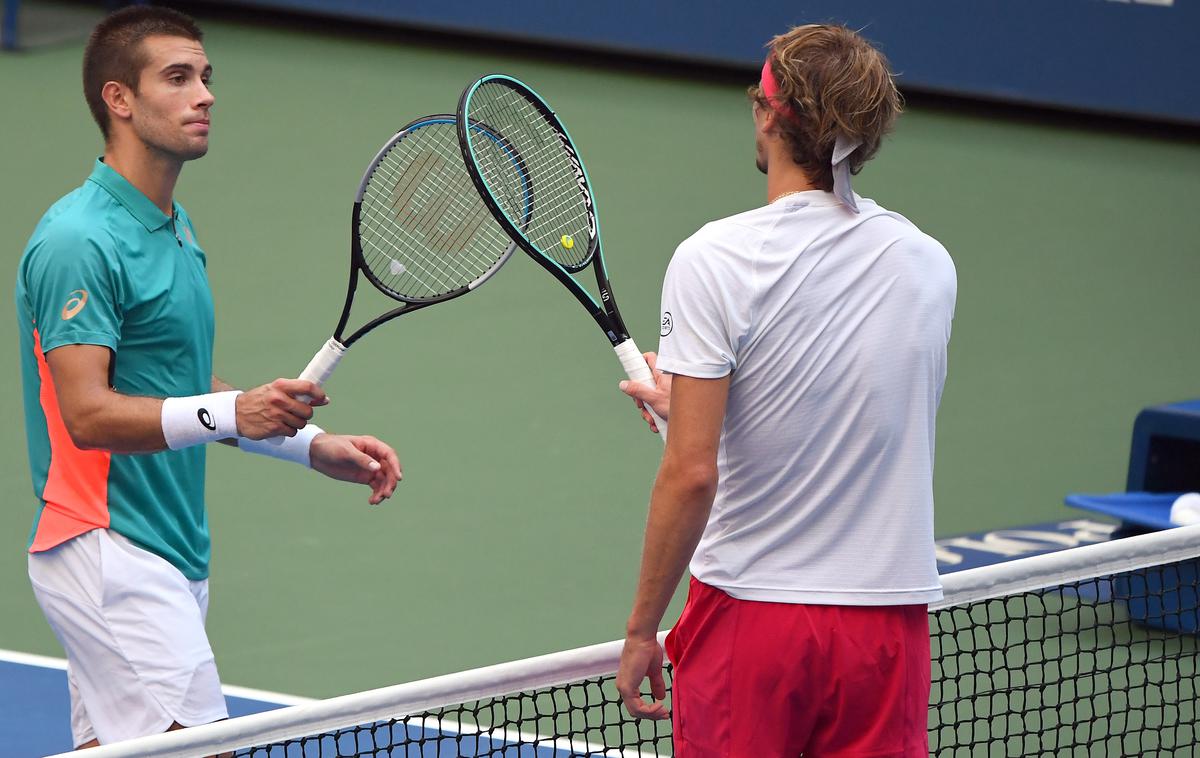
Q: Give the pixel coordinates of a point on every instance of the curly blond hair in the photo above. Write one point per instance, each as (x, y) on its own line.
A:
(834, 83)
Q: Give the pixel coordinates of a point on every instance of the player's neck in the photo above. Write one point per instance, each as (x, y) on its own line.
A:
(151, 172)
(786, 178)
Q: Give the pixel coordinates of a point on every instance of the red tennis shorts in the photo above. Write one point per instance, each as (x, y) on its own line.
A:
(768, 680)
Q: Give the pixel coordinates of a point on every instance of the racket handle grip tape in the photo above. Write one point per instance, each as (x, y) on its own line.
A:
(319, 370)
(322, 364)
(639, 371)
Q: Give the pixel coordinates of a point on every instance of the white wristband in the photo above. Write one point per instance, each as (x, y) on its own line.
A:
(198, 419)
(294, 449)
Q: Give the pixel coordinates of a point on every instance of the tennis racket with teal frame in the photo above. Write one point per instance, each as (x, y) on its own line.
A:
(548, 208)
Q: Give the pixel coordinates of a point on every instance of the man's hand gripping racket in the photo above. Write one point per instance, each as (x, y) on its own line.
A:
(653, 399)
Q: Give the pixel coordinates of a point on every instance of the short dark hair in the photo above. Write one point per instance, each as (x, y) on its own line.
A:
(835, 83)
(115, 53)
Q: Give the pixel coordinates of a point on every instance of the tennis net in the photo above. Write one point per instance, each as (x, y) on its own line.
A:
(1088, 651)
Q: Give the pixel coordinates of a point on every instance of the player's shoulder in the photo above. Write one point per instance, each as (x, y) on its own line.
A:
(729, 236)
(755, 222)
(85, 212)
(73, 227)
(902, 234)
(911, 254)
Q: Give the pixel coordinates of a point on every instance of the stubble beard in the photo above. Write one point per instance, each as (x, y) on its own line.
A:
(175, 147)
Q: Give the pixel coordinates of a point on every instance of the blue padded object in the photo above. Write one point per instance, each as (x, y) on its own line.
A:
(1151, 509)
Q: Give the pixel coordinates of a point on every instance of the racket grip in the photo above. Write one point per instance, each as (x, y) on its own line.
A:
(639, 371)
(318, 371)
(322, 364)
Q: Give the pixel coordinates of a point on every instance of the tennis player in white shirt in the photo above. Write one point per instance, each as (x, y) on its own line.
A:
(803, 351)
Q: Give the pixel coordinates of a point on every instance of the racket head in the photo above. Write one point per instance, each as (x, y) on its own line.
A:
(562, 228)
(420, 232)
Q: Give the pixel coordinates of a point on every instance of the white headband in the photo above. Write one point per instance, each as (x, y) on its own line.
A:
(841, 171)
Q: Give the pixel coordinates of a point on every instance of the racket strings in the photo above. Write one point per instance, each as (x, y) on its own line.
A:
(463, 226)
(423, 230)
(408, 250)
(382, 254)
(418, 227)
(560, 210)
(432, 205)
(561, 221)
(513, 189)
(389, 259)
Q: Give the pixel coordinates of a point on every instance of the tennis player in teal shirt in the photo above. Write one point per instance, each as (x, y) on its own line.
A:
(115, 319)
(107, 268)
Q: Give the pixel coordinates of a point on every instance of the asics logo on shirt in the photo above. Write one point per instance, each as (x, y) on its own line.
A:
(666, 325)
(75, 304)
(206, 419)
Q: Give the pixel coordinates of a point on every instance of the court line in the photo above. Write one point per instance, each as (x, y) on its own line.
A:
(247, 693)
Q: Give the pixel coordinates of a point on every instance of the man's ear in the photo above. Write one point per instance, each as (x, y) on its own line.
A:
(770, 122)
(117, 98)
(764, 118)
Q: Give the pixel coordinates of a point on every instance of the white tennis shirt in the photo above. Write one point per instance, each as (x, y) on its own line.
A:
(834, 326)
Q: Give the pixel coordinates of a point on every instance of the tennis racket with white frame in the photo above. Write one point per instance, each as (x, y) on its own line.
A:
(549, 208)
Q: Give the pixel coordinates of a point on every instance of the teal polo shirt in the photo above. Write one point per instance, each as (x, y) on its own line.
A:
(106, 267)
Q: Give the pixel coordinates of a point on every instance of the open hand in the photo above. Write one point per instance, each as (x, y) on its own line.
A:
(355, 458)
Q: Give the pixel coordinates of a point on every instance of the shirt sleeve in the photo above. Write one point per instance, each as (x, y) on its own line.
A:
(74, 291)
(705, 312)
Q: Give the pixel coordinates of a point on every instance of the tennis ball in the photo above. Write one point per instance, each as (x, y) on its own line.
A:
(567, 242)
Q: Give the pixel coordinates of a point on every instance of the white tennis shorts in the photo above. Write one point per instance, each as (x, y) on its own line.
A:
(132, 625)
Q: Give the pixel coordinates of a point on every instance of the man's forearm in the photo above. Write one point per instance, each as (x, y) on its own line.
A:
(679, 508)
(682, 497)
(125, 424)
(117, 423)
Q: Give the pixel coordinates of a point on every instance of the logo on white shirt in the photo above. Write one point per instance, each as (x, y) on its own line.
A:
(667, 324)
